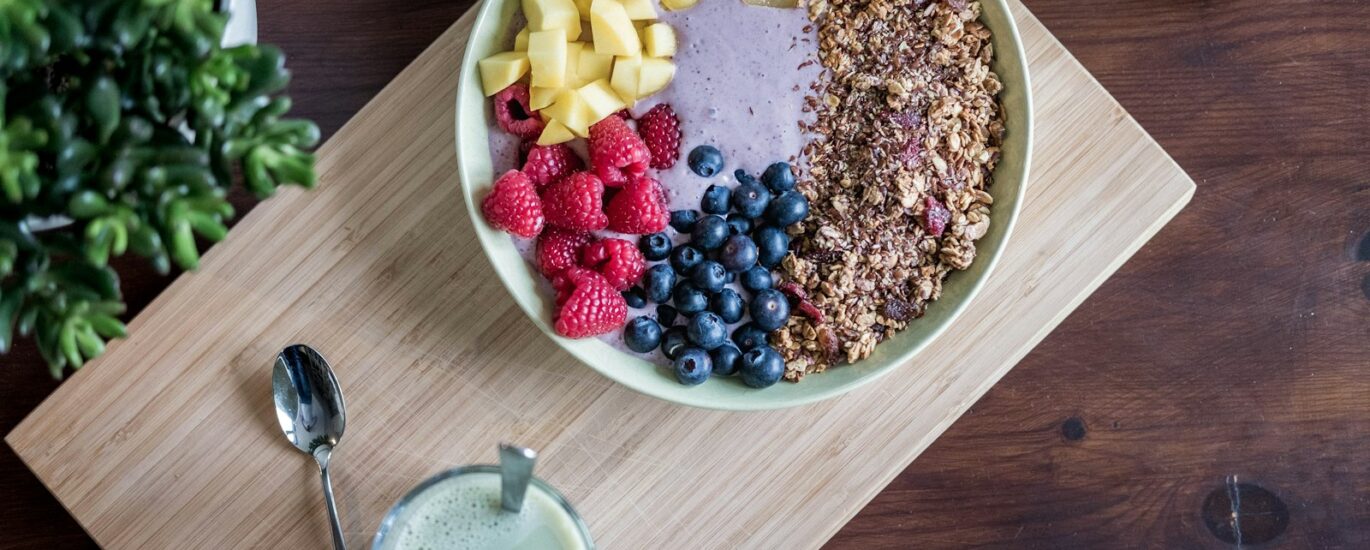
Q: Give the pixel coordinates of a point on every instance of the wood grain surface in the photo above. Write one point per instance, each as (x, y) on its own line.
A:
(1233, 346)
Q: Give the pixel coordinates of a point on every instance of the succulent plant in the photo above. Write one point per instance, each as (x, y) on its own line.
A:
(128, 118)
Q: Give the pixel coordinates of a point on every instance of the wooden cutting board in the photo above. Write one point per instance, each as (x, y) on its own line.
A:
(170, 441)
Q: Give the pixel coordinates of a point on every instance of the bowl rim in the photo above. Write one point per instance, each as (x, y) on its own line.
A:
(755, 400)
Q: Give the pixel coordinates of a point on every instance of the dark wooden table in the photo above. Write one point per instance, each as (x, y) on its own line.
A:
(1214, 393)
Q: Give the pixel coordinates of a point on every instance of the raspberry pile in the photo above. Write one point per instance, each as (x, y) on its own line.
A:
(559, 200)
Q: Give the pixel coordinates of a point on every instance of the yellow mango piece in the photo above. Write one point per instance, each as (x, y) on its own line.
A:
(601, 99)
(545, 15)
(539, 98)
(521, 40)
(547, 58)
(498, 71)
(613, 30)
(658, 40)
(573, 50)
(655, 74)
(677, 5)
(593, 65)
(627, 73)
(571, 111)
(555, 132)
(639, 9)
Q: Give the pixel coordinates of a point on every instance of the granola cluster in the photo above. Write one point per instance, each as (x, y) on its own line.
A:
(906, 132)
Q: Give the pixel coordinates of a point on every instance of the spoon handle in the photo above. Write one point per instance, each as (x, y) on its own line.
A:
(338, 543)
(516, 471)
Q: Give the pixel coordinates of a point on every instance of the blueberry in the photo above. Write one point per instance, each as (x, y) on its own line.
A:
(748, 336)
(689, 299)
(726, 359)
(655, 247)
(739, 224)
(738, 253)
(750, 199)
(761, 367)
(716, 200)
(709, 276)
(705, 160)
(727, 304)
(709, 232)
(743, 177)
(769, 309)
(707, 330)
(684, 220)
(788, 208)
(674, 340)
(642, 334)
(635, 297)
(693, 367)
(685, 257)
(778, 177)
(665, 315)
(657, 283)
(772, 244)
(756, 278)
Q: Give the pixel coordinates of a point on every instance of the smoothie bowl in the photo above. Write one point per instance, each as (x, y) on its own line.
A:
(743, 204)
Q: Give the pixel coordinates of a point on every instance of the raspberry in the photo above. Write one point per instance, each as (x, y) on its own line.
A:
(639, 208)
(616, 151)
(576, 202)
(551, 163)
(618, 260)
(934, 216)
(514, 114)
(559, 249)
(587, 304)
(660, 130)
(623, 114)
(513, 205)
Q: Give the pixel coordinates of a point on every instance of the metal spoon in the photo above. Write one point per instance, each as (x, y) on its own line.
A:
(515, 471)
(310, 408)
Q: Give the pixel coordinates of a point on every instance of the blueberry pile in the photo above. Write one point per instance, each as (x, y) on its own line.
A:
(736, 238)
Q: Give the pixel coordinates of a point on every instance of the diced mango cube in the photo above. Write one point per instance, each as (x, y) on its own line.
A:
(539, 98)
(677, 5)
(571, 111)
(627, 74)
(547, 57)
(498, 71)
(573, 50)
(555, 132)
(521, 40)
(639, 9)
(601, 99)
(613, 30)
(594, 65)
(658, 40)
(545, 15)
(654, 75)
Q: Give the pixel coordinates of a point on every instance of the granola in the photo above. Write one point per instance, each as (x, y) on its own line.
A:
(907, 131)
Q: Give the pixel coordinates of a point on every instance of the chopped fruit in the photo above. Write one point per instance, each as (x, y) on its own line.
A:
(618, 260)
(569, 110)
(586, 304)
(546, 15)
(576, 203)
(555, 132)
(547, 164)
(573, 50)
(513, 205)
(515, 115)
(547, 57)
(539, 98)
(594, 65)
(660, 130)
(627, 74)
(638, 10)
(600, 99)
(616, 151)
(498, 71)
(656, 74)
(677, 5)
(613, 29)
(658, 40)
(559, 250)
(639, 208)
(521, 40)
(934, 217)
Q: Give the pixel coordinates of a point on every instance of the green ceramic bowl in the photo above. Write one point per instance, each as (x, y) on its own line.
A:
(473, 117)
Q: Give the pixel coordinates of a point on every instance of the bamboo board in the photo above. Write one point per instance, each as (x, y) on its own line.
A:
(170, 440)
